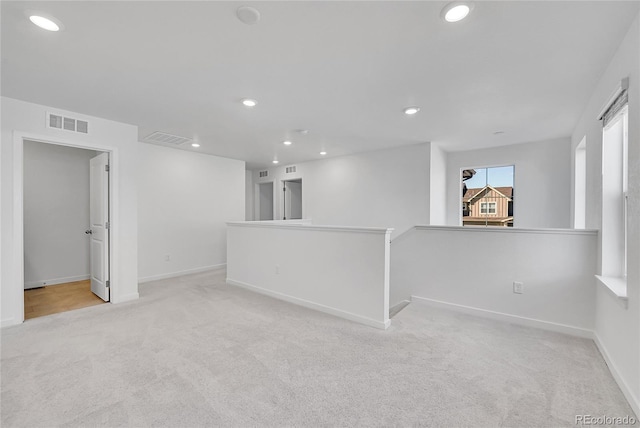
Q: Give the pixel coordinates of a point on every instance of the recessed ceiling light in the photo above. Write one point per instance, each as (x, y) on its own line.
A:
(195, 145)
(275, 161)
(48, 24)
(248, 102)
(498, 132)
(411, 110)
(323, 153)
(456, 11)
(287, 143)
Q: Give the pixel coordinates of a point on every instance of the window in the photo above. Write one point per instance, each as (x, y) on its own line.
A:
(487, 207)
(614, 194)
(487, 196)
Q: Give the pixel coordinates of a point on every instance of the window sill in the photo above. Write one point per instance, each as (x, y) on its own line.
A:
(616, 286)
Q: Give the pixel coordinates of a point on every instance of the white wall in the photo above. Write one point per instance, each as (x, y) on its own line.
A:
(387, 188)
(341, 271)
(248, 192)
(542, 181)
(617, 328)
(438, 186)
(476, 268)
(56, 213)
(27, 119)
(184, 200)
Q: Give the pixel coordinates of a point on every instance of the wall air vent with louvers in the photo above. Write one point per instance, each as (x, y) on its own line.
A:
(290, 169)
(264, 174)
(164, 138)
(67, 123)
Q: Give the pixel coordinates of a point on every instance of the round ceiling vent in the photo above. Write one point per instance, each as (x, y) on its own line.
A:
(248, 15)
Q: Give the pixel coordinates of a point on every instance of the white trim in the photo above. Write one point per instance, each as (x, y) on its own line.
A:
(18, 214)
(180, 273)
(126, 298)
(634, 402)
(56, 281)
(311, 305)
(514, 319)
(403, 233)
(500, 229)
(8, 322)
(616, 286)
(301, 226)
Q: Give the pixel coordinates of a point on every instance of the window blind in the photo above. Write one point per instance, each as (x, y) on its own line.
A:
(619, 100)
(618, 104)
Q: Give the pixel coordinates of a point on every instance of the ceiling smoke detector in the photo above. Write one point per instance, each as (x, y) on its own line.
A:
(248, 15)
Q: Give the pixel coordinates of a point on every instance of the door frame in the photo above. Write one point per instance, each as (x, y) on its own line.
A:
(18, 209)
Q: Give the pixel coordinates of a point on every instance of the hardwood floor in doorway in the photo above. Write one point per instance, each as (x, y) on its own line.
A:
(59, 298)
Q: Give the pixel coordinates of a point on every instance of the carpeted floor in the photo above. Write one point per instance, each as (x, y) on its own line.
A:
(193, 352)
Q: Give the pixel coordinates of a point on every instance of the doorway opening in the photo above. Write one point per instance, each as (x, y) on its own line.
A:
(65, 228)
(265, 201)
(292, 199)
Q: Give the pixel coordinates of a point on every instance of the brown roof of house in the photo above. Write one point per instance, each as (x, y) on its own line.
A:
(470, 193)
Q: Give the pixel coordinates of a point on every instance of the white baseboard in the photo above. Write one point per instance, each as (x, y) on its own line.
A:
(42, 283)
(125, 298)
(311, 305)
(631, 398)
(180, 273)
(8, 322)
(514, 319)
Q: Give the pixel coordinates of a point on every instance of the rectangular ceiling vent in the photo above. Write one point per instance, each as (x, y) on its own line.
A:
(290, 169)
(58, 121)
(164, 138)
(264, 174)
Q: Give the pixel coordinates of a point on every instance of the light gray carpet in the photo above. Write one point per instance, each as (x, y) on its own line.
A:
(196, 352)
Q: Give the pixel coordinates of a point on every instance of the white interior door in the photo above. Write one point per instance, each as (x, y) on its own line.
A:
(99, 231)
(292, 199)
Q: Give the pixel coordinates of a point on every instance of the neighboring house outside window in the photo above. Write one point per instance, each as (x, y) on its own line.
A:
(488, 206)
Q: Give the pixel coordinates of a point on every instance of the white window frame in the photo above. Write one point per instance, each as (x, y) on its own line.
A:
(615, 227)
(489, 207)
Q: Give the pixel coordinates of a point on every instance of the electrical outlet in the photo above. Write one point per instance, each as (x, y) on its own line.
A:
(167, 258)
(277, 269)
(518, 287)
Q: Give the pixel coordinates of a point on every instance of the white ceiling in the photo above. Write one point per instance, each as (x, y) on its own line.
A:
(342, 70)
